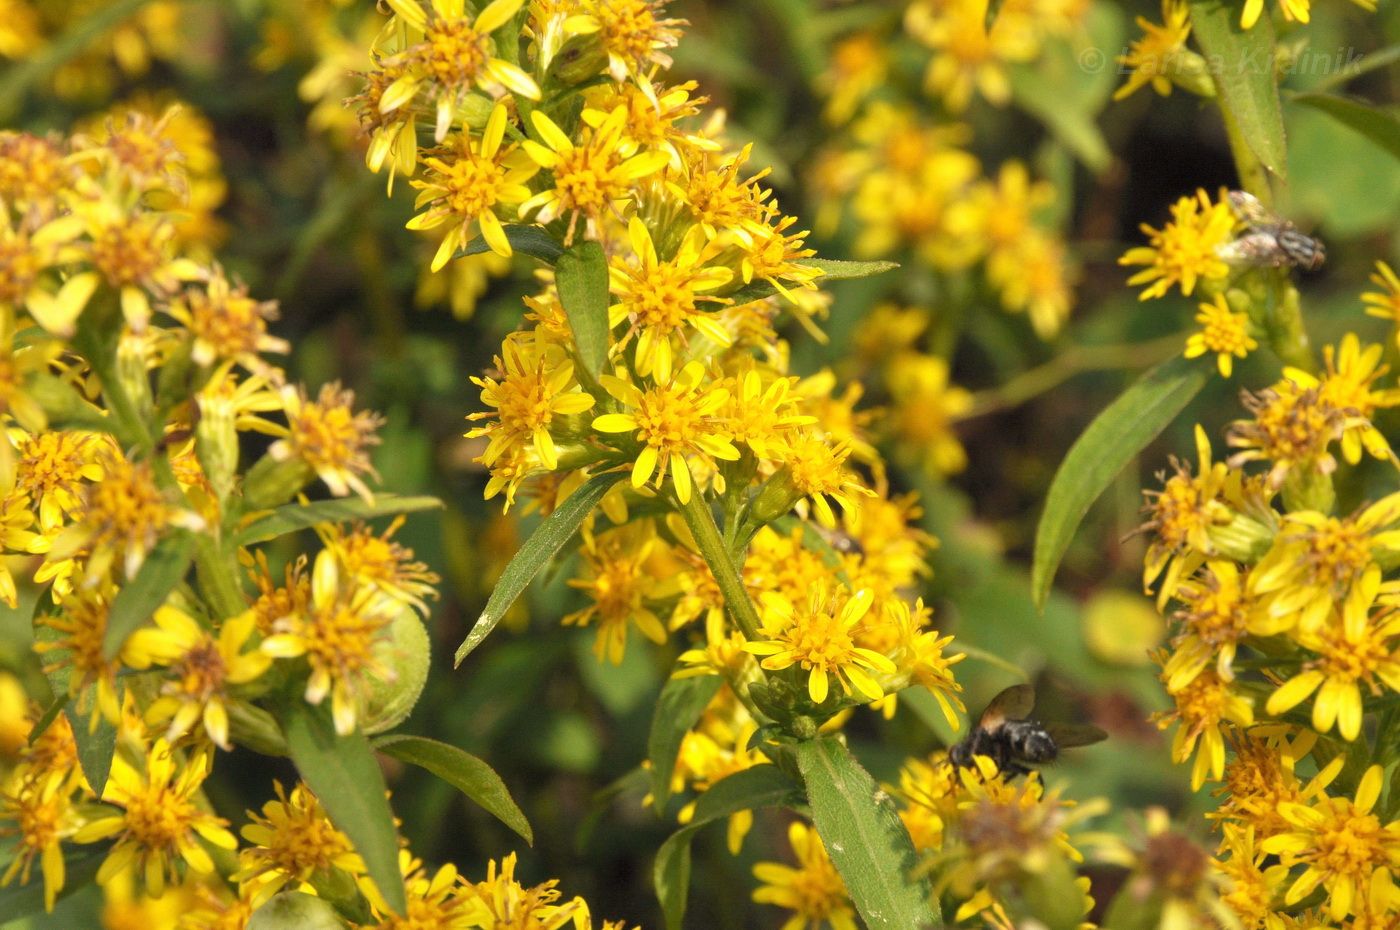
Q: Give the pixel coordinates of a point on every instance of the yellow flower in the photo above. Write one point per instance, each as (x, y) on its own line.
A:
(226, 323)
(1184, 250)
(622, 591)
(1152, 56)
(292, 839)
(203, 667)
(1034, 275)
(592, 177)
(469, 184)
(813, 890)
(1292, 428)
(1217, 612)
(436, 902)
(44, 816)
(536, 390)
(820, 637)
(1342, 844)
(70, 642)
(763, 418)
(337, 632)
(1203, 706)
(380, 563)
(966, 56)
(659, 297)
(671, 420)
(818, 471)
(926, 405)
(1222, 332)
(1360, 649)
(1317, 559)
(53, 468)
(1260, 776)
(501, 902)
(455, 58)
(1346, 386)
(327, 437)
(159, 820)
(1386, 302)
(1293, 10)
(631, 32)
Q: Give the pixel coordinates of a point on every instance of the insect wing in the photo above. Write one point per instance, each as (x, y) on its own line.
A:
(1015, 703)
(1251, 212)
(1069, 735)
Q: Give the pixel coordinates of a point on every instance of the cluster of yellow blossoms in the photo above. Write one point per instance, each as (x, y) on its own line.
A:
(131, 371)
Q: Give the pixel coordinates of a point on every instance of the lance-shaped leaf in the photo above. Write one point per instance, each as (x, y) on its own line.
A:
(1380, 126)
(759, 786)
(865, 838)
(680, 705)
(1118, 434)
(292, 517)
(555, 530)
(343, 774)
(581, 276)
(463, 771)
(164, 568)
(1241, 61)
(832, 269)
(532, 240)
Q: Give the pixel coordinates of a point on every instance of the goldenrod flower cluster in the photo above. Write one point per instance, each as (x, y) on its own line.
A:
(1283, 660)
(132, 369)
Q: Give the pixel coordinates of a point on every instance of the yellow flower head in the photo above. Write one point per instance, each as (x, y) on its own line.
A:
(501, 901)
(159, 820)
(536, 390)
(473, 183)
(1152, 56)
(1203, 706)
(820, 636)
(328, 437)
(1293, 427)
(622, 589)
(1184, 250)
(1346, 385)
(1343, 845)
(1222, 332)
(44, 815)
(338, 633)
(1384, 303)
(926, 405)
(674, 419)
(226, 323)
(292, 838)
(813, 890)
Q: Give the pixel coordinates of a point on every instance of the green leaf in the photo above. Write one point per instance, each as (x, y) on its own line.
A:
(1044, 98)
(1380, 58)
(581, 276)
(463, 771)
(532, 240)
(80, 865)
(680, 705)
(993, 8)
(865, 838)
(1242, 63)
(1380, 126)
(343, 774)
(555, 530)
(759, 786)
(46, 719)
(292, 517)
(834, 271)
(164, 568)
(1117, 434)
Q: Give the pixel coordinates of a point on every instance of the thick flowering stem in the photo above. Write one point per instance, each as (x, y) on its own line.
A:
(1287, 335)
(701, 522)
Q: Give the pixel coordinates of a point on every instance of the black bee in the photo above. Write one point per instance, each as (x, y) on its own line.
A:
(1270, 241)
(1005, 734)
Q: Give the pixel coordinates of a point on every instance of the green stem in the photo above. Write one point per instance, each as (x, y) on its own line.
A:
(1288, 337)
(218, 577)
(701, 522)
(1253, 177)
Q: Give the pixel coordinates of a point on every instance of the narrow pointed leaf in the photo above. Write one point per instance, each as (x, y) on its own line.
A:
(993, 8)
(532, 240)
(834, 271)
(343, 774)
(164, 568)
(46, 719)
(463, 771)
(292, 517)
(865, 838)
(1242, 64)
(680, 705)
(581, 275)
(759, 786)
(1118, 434)
(1380, 126)
(551, 535)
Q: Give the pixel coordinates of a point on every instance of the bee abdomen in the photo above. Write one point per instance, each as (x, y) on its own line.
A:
(1030, 742)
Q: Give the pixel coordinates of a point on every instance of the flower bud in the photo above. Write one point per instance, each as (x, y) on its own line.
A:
(1243, 539)
(405, 651)
(293, 910)
(133, 373)
(271, 483)
(1309, 488)
(775, 498)
(580, 58)
(216, 444)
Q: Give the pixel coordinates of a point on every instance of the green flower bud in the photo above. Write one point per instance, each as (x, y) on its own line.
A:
(271, 483)
(406, 650)
(1243, 539)
(1307, 488)
(580, 58)
(775, 498)
(293, 910)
